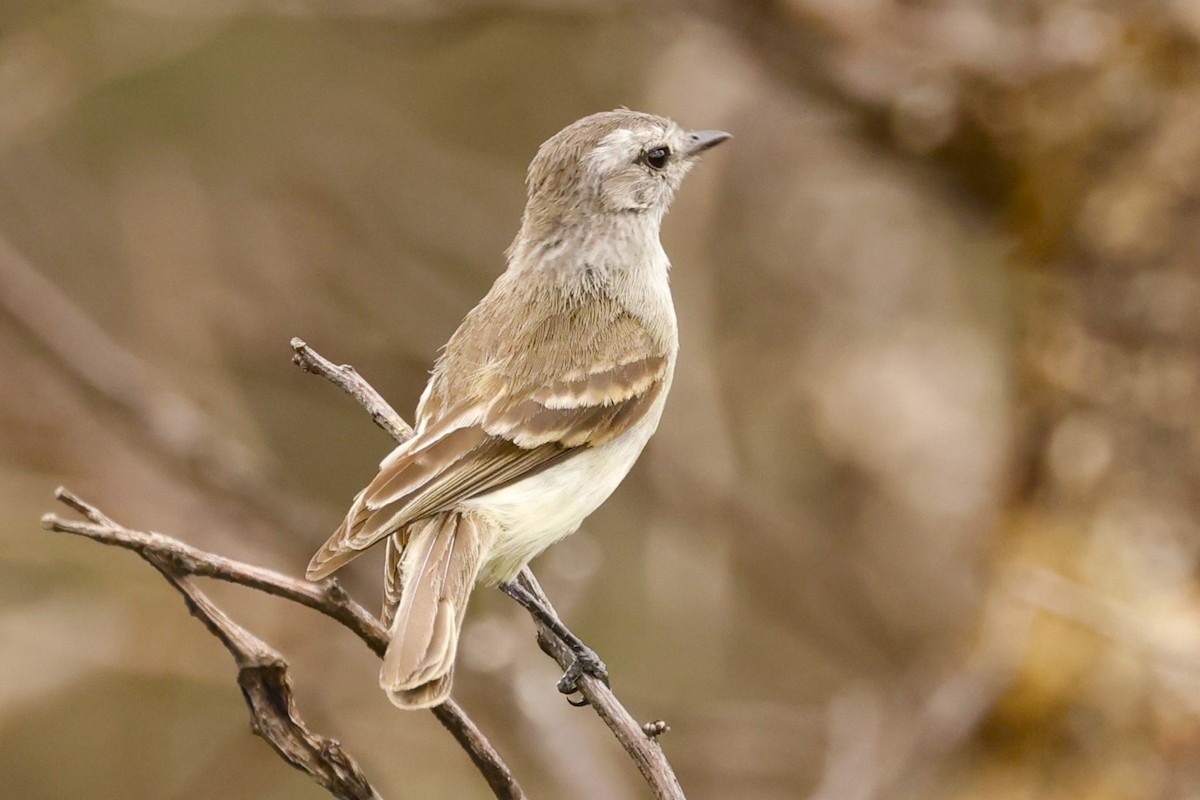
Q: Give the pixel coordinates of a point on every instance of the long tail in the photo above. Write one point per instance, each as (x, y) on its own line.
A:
(437, 570)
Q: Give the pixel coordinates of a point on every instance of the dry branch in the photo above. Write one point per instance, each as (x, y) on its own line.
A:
(346, 378)
(126, 386)
(262, 672)
(263, 677)
(639, 741)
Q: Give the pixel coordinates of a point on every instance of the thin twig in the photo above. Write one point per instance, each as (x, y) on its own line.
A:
(269, 695)
(267, 688)
(640, 744)
(157, 415)
(262, 671)
(325, 596)
(346, 378)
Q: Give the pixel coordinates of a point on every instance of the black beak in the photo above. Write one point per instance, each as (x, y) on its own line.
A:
(699, 141)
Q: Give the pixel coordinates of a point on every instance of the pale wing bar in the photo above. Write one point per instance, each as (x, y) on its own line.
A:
(512, 441)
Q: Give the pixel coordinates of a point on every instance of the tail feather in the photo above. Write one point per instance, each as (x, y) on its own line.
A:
(391, 578)
(426, 695)
(437, 571)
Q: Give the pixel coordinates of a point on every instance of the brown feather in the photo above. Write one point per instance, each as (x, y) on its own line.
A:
(391, 579)
(516, 429)
(571, 348)
(437, 571)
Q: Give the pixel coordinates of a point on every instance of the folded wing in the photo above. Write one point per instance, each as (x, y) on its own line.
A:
(483, 446)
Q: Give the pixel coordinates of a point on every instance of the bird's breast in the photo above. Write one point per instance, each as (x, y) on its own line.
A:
(536, 512)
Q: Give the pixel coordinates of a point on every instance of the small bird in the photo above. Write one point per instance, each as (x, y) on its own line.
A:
(540, 402)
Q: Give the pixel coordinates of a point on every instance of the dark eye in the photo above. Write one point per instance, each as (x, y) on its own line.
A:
(658, 157)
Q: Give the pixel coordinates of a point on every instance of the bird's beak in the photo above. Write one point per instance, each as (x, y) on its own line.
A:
(699, 141)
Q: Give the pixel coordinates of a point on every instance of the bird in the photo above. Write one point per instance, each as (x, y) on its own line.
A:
(540, 402)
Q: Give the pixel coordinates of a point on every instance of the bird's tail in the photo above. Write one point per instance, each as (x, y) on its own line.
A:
(437, 569)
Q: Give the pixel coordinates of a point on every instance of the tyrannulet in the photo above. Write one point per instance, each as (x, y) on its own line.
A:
(542, 399)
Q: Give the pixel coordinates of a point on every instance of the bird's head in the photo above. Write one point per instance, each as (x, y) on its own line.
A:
(614, 162)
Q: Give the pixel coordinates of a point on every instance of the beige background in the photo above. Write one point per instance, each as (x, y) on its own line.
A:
(921, 518)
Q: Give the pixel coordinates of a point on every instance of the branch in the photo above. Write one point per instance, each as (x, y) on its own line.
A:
(349, 381)
(262, 672)
(327, 596)
(639, 741)
(157, 415)
(263, 676)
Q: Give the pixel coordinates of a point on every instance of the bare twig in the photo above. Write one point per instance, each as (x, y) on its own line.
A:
(157, 415)
(326, 596)
(263, 677)
(640, 743)
(262, 671)
(346, 378)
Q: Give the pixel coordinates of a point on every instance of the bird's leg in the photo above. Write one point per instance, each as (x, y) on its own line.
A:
(586, 660)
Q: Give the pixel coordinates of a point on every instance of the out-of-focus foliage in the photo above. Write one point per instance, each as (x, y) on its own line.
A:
(921, 520)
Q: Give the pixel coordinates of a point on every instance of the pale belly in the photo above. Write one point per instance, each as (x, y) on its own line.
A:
(536, 512)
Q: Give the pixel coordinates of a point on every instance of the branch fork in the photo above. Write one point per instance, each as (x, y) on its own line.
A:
(263, 672)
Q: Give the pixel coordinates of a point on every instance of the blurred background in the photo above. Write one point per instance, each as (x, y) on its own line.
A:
(922, 517)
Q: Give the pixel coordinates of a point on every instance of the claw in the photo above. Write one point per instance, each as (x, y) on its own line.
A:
(569, 682)
(586, 662)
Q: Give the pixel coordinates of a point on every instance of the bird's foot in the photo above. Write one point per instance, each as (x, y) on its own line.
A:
(586, 663)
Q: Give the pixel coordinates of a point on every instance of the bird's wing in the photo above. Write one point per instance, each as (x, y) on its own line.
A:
(482, 445)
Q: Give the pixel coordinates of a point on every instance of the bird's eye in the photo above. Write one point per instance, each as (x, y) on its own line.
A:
(658, 157)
